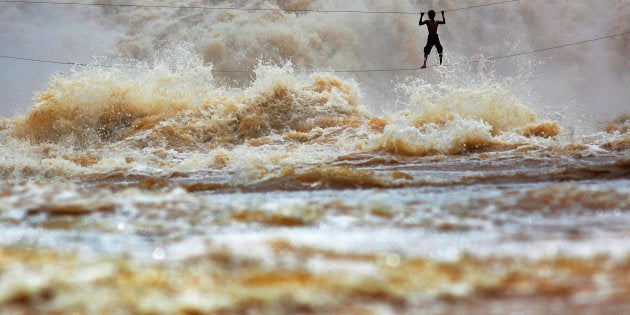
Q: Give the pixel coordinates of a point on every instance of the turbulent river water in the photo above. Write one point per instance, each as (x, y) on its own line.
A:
(159, 183)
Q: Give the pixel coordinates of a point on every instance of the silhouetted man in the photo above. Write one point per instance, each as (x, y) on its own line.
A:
(433, 39)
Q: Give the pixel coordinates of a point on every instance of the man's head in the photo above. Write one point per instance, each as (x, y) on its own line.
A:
(431, 14)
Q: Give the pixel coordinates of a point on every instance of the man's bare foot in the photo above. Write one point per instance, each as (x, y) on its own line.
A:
(423, 67)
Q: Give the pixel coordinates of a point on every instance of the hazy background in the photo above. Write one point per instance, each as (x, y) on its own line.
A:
(47, 32)
(582, 85)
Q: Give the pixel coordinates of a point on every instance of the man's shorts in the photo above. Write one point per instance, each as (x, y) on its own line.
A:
(433, 40)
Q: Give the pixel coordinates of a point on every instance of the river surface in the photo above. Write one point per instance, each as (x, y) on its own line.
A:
(170, 186)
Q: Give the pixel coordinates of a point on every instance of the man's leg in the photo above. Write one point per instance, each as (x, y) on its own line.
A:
(427, 50)
(438, 45)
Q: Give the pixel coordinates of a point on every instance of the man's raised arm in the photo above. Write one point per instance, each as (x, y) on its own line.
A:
(421, 22)
(443, 19)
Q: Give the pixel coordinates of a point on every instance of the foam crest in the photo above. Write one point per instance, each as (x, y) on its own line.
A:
(168, 115)
(454, 136)
(96, 103)
(492, 103)
(180, 107)
(447, 119)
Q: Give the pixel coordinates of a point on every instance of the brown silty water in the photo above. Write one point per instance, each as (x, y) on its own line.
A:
(168, 187)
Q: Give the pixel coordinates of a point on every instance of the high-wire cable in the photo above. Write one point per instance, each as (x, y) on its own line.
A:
(245, 9)
(357, 70)
(221, 8)
(471, 61)
(44, 61)
(556, 47)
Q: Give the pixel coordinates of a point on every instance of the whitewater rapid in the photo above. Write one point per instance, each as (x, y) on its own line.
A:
(150, 180)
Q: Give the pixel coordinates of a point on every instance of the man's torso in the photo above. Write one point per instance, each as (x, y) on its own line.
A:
(432, 26)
